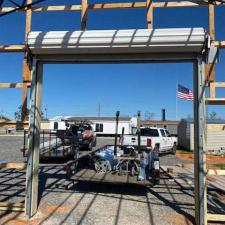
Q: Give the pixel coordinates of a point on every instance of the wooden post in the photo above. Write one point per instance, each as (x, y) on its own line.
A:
(116, 132)
(211, 67)
(84, 8)
(31, 199)
(149, 8)
(26, 70)
(199, 145)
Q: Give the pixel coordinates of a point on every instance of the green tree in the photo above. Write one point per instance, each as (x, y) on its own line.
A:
(149, 115)
(18, 114)
(212, 115)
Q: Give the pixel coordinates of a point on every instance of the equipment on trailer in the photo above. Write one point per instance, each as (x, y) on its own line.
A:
(79, 134)
(143, 165)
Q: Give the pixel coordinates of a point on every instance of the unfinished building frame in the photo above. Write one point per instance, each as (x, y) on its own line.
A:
(200, 80)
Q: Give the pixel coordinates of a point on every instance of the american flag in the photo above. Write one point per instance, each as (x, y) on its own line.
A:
(184, 93)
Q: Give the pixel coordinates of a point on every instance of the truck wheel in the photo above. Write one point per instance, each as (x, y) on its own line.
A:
(174, 149)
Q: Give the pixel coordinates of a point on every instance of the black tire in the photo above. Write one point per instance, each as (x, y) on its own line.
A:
(133, 171)
(174, 149)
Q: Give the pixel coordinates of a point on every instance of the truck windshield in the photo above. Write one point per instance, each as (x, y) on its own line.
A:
(149, 132)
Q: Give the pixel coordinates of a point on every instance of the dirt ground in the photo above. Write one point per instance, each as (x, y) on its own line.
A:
(211, 160)
(88, 203)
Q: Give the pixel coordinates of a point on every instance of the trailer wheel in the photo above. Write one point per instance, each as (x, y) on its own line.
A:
(174, 149)
(133, 171)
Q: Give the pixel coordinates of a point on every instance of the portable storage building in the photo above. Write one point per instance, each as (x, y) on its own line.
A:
(215, 135)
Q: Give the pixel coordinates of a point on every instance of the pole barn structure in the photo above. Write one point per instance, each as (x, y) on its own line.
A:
(117, 46)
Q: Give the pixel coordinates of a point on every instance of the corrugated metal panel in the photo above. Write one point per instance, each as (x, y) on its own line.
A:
(118, 41)
(191, 136)
(215, 139)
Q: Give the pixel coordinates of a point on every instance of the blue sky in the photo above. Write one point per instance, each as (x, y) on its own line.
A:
(78, 89)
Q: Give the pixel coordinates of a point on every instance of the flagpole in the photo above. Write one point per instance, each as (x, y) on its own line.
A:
(176, 101)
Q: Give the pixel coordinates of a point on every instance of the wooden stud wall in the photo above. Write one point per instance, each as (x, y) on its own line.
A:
(26, 68)
(84, 7)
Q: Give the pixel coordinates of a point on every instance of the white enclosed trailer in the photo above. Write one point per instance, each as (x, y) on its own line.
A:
(102, 125)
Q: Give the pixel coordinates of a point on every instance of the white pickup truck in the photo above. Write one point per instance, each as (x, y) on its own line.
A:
(151, 137)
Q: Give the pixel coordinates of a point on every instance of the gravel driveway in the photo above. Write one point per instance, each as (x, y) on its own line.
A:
(88, 203)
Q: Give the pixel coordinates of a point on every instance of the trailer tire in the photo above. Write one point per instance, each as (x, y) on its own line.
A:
(133, 171)
(174, 149)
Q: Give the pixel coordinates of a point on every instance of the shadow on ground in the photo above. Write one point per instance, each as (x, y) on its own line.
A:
(86, 202)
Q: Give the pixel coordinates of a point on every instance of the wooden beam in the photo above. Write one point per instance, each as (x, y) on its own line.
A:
(11, 85)
(126, 5)
(211, 67)
(28, 18)
(47, 8)
(24, 103)
(26, 72)
(179, 4)
(149, 9)
(219, 84)
(216, 217)
(212, 22)
(16, 124)
(212, 90)
(216, 172)
(84, 10)
(219, 44)
(215, 127)
(215, 101)
(11, 206)
(12, 48)
(13, 165)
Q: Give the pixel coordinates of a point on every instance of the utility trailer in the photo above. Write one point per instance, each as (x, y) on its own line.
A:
(52, 145)
(126, 166)
(64, 143)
